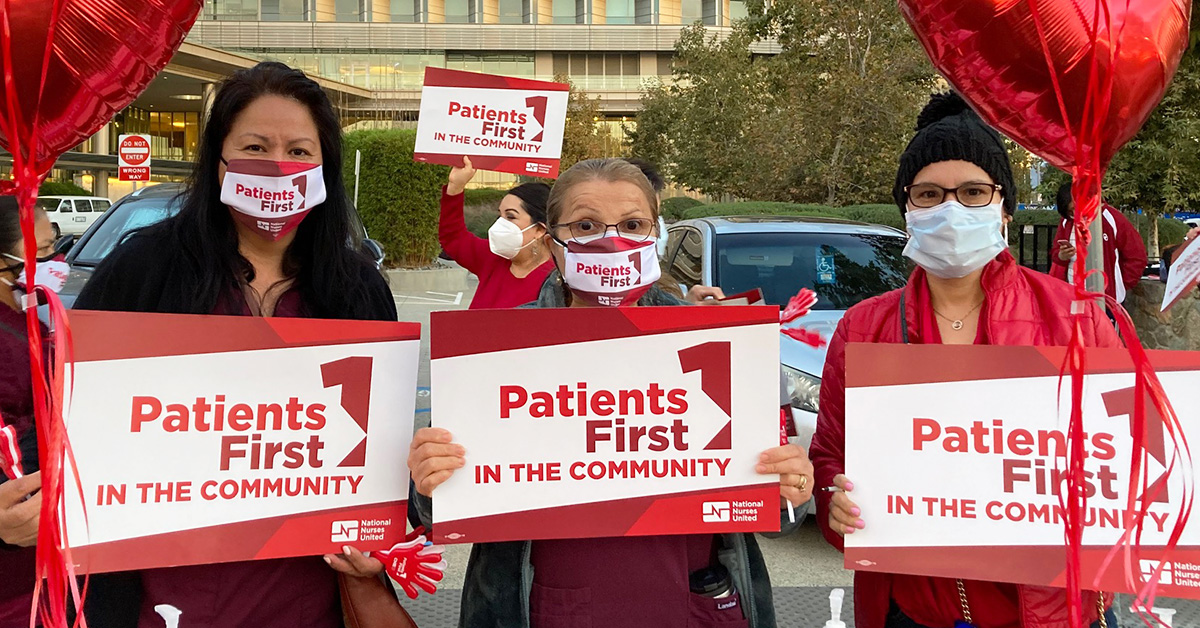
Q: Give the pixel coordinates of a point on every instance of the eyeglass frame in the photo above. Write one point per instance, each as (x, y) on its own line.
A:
(996, 187)
(615, 227)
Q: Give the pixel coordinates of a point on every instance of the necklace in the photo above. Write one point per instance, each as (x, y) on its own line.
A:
(956, 325)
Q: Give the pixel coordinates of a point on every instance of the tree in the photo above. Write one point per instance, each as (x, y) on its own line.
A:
(583, 138)
(822, 121)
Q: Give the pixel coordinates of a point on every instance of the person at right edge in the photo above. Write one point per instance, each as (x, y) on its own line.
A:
(953, 188)
(1124, 252)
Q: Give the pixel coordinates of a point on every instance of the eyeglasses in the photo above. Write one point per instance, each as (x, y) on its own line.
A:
(926, 195)
(636, 229)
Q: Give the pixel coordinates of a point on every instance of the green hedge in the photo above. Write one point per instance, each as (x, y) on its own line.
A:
(397, 197)
(484, 196)
(673, 208)
(61, 188)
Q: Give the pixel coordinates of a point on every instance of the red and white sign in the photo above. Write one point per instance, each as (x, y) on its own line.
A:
(133, 158)
(593, 422)
(204, 439)
(958, 465)
(502, 123)
(1183, 275)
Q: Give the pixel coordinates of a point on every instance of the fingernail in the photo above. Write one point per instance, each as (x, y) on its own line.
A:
(462, 451)
(346, 550)
(462, 463)
(328, 560)
(849, 486)
(762, 457)
(760, 468)
(860, 524)
(855, 512)
(849, 530)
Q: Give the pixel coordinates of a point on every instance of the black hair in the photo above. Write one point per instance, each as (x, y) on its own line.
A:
(10, 225)
(652, 174)
(1063, 200)
(533, 197)
(323, 258)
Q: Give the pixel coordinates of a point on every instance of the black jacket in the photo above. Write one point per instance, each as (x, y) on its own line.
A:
(149, 273)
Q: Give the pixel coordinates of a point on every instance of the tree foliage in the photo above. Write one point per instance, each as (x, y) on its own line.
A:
(583, 137)
(822, 121)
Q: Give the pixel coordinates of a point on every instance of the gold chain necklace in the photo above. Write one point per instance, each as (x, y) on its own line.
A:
(957, 324)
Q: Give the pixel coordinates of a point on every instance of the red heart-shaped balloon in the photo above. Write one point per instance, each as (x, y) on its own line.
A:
(1003, 56)
(101, 55)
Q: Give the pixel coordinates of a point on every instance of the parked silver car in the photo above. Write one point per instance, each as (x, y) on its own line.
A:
(844, 262)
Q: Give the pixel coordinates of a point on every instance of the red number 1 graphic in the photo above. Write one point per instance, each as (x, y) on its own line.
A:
(538, 104)
(1120, 403)
(713, 361)
(354, 376)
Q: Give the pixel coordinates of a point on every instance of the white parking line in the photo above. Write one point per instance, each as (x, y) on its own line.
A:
(455, 299)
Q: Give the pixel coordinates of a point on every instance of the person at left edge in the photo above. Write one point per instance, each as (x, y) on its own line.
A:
(20, 500)
(596, 208)
(269, 124)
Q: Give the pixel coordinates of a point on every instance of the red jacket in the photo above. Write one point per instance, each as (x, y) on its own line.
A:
(1023, 307)
(1124, 253)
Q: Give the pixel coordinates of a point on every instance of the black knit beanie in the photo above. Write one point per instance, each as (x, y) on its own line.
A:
(948, 130)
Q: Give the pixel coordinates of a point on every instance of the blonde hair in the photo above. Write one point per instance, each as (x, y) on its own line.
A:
(609, 170)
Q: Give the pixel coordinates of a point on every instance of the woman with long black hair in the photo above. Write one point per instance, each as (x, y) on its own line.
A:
(286, 249)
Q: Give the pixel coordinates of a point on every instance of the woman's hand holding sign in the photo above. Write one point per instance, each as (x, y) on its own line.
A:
(795, 471)
(433, 458)
(20, 505)
(460, 177)
(844, 515)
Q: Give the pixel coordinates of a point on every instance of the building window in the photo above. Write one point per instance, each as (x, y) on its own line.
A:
(406, 11)
(599, 72)
(703, 11)
(231, 10)
(737, 10)
(565, 12)
(665, 64)
(460, 12)
(511, 11)
(620, 12)
(347, 11)
(283, 11)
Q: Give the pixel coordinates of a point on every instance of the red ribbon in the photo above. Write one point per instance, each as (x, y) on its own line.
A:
(1087, 173)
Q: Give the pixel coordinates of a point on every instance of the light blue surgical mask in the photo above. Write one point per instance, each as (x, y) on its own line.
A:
(952, 241)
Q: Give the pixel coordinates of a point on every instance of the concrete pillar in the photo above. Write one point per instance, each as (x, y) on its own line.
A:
(670, 12)
(437, 11)
(381, 11)
(491, 11)
(326, 11)
(599, 12)
(543, 64)
(100, 147)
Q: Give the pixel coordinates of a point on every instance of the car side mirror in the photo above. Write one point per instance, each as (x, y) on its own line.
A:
(374, 250)
(64, 244)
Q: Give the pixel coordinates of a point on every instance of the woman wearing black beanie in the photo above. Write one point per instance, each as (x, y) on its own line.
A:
(954, 186)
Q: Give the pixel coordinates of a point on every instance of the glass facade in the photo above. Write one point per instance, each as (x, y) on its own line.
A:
(460, 12)
(234, 10)
(405, 11)
(506, 64)
(512, 11)
(381, 71)
(615, 12)
(174, 135)
(600, 72)
(737, 10)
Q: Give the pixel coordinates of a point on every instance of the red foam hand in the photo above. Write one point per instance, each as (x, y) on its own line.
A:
(414, 563)
(799, 306)
(811, 338)
(1027, 66)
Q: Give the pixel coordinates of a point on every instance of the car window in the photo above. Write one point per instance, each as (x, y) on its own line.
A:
(65, 206)
(101, 205)
(686, 266)
(83, 205)
(48, 204)
(124, 219)
(674, 237)
(843, 269)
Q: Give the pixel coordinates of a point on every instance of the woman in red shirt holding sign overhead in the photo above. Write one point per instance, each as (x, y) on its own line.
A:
(513, 261)
(272, 139)
(954, 187)
(598, 210)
